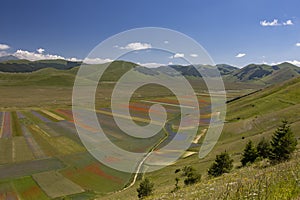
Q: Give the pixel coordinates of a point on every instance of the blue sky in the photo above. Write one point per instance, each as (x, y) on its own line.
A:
(258, 31)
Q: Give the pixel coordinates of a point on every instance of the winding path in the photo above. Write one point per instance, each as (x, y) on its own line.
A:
(145, 158)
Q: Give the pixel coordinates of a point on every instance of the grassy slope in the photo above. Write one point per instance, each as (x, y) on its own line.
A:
(271, 106)
(53, 88)
(254, 182)
(48, 87)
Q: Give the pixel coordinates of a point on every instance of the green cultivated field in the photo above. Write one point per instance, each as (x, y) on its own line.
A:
(44, 147)
(56, 185)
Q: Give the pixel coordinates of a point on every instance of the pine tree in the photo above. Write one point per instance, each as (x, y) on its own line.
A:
(263, 148)
(145, 189)
(283, 143)
(250, 154)
(223, 164)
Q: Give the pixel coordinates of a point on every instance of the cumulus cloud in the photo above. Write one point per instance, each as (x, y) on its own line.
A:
(294, 62)
(4, 47)
(288, 23)
(240, 55)
(194, 55)
(96, 60)
(151, 65)
(38, 55)
(74, 59)
(272, 23)
(40, 50)
(23, 54)
(276, 23)
(166, 42)
(136, 46)
(298, 44)
(177, 55)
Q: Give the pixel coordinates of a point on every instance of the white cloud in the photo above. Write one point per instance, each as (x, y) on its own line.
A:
(40, 50)
(151, 65)
(166, 42)
(294, 62)
(240, 55)
(288, 23)
(272, 23)
(96, 60)
(276, 23)
(23, 54)
(177, 55)
(136, 46)
(74, 59)
(298, 44)
(33, 56)
(4, 46)
(194, 55)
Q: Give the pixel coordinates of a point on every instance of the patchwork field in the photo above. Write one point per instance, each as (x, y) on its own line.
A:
(55, 185)
(42, 156)
(26, 188)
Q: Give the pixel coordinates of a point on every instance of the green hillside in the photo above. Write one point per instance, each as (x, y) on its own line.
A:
(250, 118)
(51, 76)
(30, 66)
(261, 75)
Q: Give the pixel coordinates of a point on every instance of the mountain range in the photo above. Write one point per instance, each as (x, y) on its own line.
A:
(260, 74)
(21, 65)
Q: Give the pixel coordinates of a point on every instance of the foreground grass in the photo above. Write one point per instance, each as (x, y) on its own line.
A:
(259, 181)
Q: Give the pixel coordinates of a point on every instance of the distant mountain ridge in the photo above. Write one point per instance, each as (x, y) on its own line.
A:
(8, 58)
(195, 70)
(260, 74)
(264, 74)
(15, 66)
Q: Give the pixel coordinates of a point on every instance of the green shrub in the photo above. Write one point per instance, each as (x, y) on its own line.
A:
(191, 175)
(177, 187)
(223, 164)
(145, 188)
(192, 178)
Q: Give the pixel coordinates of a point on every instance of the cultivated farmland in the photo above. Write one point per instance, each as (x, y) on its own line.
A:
(56, 185)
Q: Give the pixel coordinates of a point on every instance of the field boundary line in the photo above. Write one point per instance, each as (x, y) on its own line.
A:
(13, 150)
(169, 104)
(2, 124)
(41, 130)
(129, 117)
(53, 115)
